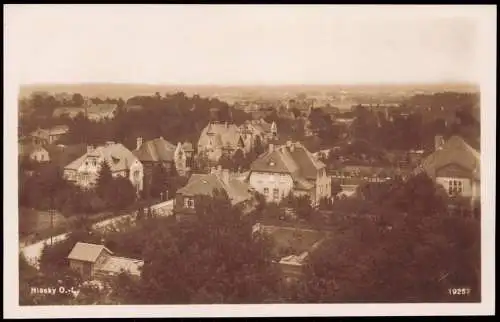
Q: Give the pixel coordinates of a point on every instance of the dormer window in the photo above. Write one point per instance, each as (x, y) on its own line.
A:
(271, 163)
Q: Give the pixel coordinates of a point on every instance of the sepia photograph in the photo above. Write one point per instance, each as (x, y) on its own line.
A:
(249, 160)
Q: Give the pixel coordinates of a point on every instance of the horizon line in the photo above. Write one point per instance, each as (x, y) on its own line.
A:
(255, 84)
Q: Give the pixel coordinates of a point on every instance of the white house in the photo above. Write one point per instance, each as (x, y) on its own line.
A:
(35, 152)
(84, 171)
(290, 168)
(456, 166)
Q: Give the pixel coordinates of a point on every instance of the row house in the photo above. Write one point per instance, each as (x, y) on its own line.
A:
(84, 171)
(289, 169)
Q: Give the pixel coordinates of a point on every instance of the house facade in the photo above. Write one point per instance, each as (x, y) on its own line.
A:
(289, 169)
(159, 152)
(218, 139)
(84, 171)
(254, 130)
(48, 136)
(455, 165)
(34, 152)
(198, 185)
(100, 112)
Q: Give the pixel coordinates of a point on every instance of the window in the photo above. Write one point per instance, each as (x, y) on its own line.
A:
(276, 193)
(189, 202)
(266, 191)
(94, 163)
(85, 178)
(455, 187)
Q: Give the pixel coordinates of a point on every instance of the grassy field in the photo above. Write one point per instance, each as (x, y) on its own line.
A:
(35, 225)
(36, 221)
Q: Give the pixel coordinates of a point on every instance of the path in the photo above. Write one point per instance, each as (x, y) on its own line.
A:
(34, 251)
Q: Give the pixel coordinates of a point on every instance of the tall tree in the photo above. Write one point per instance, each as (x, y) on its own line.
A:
(104, 179)
(160, 181)
(121, 193)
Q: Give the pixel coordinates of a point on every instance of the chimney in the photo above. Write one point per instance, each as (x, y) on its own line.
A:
(225, 176)
(438, 142)
(271, 147)
(139, 143)
(289, 144)
(219, 168)
(292, 146)
(90, 148)
(227, 125)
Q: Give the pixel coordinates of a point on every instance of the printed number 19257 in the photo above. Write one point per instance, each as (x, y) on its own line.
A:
(459, 291)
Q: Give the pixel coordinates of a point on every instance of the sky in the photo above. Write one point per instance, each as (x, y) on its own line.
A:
(233, 45)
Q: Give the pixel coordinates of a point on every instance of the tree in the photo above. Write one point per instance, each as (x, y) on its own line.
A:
(40, 190)
(78, 99)
(396, 265)
(238, 160)
(121, 193)
(104, 179)
(226, 162)
(300, 204)
(258, 146)
(214, 259)
(336, 188)
(160, 181)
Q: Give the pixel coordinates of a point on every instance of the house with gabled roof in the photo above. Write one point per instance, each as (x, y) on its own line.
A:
(94, 261)
(217, 139)
(84, 171)
(289, 169)
(33, 151)
(238, 191)
(103, 111)
(159, 152)
(455, 165)
(253, 130)
(48, 136)
(68, 111)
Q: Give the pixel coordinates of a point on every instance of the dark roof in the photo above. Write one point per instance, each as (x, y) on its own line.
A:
(204, 184)
(454, 151)
(294, 159)
(156, 150)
